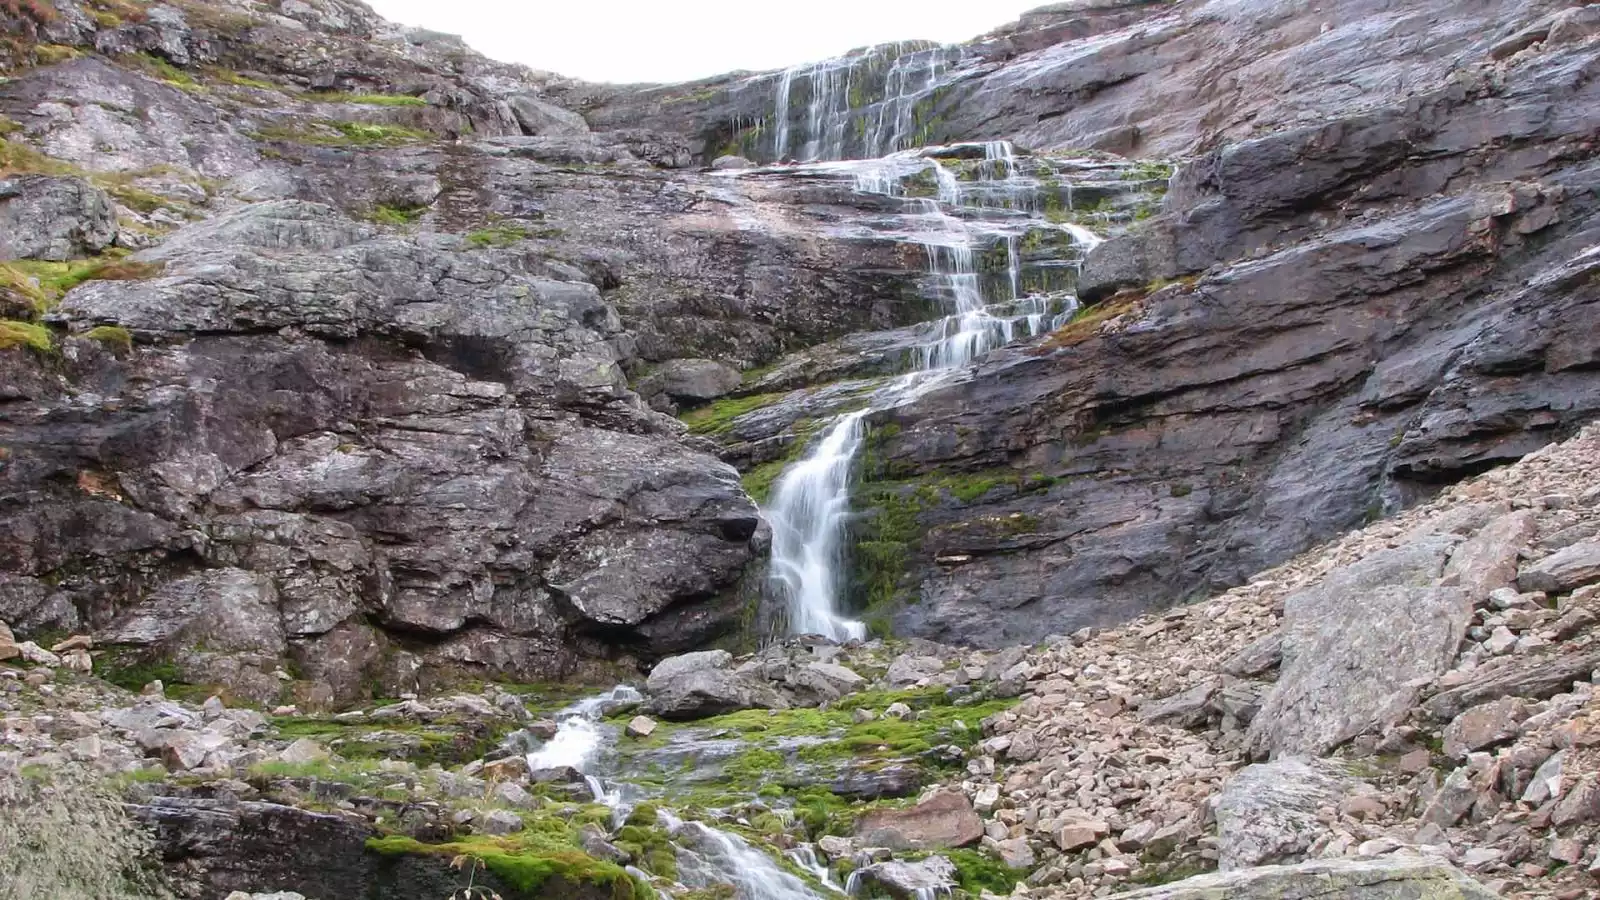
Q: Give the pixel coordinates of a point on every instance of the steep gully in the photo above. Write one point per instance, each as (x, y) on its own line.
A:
(995, 203)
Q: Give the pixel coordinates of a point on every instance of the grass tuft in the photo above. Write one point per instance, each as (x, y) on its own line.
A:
(25, 334)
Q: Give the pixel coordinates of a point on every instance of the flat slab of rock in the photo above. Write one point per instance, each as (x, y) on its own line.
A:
(1533, 677)
(942, 821)
(1562, 571)
(1267, 813)
(1387, 878)
(1488, 560)
(930, 877)
(1356, 646)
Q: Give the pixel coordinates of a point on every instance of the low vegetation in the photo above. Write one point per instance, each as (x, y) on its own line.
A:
(542, 857)
(717, 418)
(335, 133)
(25, 334)
(366, 99)
(502, 234)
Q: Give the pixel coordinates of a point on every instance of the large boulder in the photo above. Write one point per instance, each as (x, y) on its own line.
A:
(944, 820)
(690, 380)
(933, 876)
(1356, 647)
(684, 663)
(54, 218)
(1267, 813)
(539, 117)
(1387, 878)
(711, 692)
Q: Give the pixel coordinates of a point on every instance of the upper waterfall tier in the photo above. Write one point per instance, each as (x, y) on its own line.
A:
(865, 104)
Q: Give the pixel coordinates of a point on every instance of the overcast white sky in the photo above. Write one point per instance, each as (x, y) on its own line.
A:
(681, 40)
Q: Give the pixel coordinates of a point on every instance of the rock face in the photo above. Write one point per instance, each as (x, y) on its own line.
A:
(1382, 879)
(1191, 434)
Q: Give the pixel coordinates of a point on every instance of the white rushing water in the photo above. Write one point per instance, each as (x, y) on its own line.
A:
(580, 738)
(878, 98)
(809, 508)
(708, 857)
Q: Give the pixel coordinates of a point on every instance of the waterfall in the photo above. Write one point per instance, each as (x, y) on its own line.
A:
(809, 508)
(810, 503)
(873, 101)
(706, 856)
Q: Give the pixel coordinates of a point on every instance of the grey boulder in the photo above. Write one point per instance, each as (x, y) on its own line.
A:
(51, 218)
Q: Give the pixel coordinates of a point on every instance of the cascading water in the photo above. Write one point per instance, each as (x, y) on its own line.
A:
(708, 857)
(810, 503)
(874, 102)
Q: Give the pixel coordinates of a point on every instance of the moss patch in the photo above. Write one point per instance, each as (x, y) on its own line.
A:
(546, 851)
(367, 99)
(717, 418)
(333, 133)
(113, 336)
(397, 215)
(501, 235)
(25, 334)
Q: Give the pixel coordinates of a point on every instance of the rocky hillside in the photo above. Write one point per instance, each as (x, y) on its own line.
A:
(362, 399)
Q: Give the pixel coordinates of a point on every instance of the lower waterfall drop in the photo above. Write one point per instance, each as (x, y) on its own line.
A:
(810, 507)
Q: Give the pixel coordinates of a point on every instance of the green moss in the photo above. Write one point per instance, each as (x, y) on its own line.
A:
(501, 235)
(114, 336)
(331, 133)
(163, 71)
(397, 215)
(228, 76)
(338, 770)
(717, 418)
(25, 334)
(367, 99)
(545, 852)
(48, 281)
(19, 158)
(133, 676)
(977, 871)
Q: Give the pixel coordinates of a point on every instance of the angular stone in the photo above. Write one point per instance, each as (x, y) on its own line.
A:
(932, 876)
(501, 821)
(690, 380)
(944, 820)
(1536, 676)
(1564, 570)
(304, 750)
(641, 727)
(1546, 782)
(1384, 878)
(1484, 726)
(910, 669)
(1580, 805)
(1357, 645)
(1452, 800)
(1077, 835)
(1268, 812)
(1015, 853)
(1190, 708)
